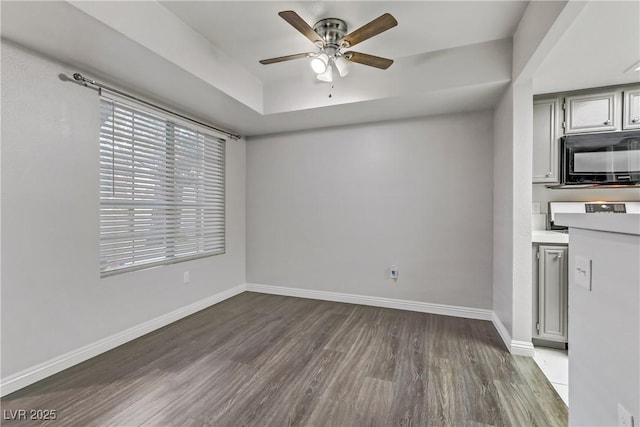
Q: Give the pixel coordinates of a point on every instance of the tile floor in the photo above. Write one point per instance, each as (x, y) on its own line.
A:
(555, 366)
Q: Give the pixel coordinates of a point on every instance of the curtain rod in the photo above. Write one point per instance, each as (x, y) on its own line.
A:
(79, 77)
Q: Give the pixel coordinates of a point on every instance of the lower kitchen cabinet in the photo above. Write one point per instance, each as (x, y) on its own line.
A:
(550, 297)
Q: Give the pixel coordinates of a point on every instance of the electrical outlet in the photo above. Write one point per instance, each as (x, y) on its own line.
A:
(393, 272)
(624, 417)
(185, 277)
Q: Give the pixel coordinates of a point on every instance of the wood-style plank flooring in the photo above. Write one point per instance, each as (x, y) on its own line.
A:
(269, 360)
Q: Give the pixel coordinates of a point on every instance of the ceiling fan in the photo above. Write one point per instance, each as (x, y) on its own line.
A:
(330, 36)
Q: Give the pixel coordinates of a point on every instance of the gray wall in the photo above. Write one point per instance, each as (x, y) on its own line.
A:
(332, 209)
(502, 211)
(53, 300)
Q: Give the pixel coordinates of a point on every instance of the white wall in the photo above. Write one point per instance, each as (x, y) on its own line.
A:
(522, 172)
(53, 300)
(538, 31)
(604, 329)
(332, 209)
(513, 127)
(502, 211)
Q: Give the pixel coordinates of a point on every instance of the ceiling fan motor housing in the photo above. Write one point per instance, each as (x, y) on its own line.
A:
(332, 30)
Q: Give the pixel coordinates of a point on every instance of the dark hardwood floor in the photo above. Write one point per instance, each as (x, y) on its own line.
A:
(268, 360)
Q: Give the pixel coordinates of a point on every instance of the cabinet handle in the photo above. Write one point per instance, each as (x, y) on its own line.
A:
(635, 120)
(608, 122)
(559, 257)
(549, 174)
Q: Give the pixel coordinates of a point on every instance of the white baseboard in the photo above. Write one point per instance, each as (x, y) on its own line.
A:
(522, 348)
(515, 347)
(36, 373)
(502, 331)
(423, 307)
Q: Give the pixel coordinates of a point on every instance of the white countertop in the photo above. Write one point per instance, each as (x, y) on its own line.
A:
(547, 236)
(617, 223)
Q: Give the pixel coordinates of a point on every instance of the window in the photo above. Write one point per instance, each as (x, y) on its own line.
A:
(161, 189)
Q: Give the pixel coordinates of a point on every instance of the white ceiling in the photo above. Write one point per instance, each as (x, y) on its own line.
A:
(201, 57)
(598, 49)
(250, 31)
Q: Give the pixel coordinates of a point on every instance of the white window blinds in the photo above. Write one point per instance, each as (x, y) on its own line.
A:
(161, 190)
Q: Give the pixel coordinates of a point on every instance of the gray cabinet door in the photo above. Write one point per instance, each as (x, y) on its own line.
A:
(631, 118)
(591, 113)
(545, 141)
(552, 293)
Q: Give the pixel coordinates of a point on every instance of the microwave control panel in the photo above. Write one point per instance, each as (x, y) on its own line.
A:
(605, 207)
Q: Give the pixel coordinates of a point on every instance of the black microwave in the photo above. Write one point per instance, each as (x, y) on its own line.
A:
(601, 158)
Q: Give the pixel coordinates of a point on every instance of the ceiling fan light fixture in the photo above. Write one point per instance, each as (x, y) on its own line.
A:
(330, 35)
(342, 65)
(327, 76)
(319, 63)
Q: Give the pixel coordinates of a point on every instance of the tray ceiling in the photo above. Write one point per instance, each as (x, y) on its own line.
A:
(202, 56)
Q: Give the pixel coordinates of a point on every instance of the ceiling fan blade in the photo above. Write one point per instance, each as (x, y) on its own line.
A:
(373, 28)
(285, 58)
(299, 24)
(370, 60)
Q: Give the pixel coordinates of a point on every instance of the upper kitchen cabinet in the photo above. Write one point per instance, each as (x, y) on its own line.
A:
(631, 106)
(591, 113)
(545, 141)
